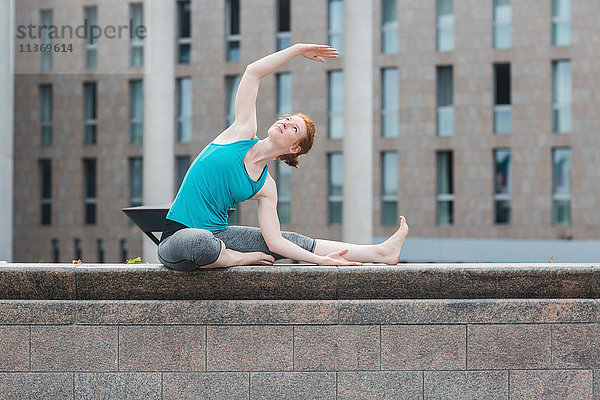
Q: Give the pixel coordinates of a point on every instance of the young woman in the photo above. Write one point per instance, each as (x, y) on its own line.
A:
(233, 168)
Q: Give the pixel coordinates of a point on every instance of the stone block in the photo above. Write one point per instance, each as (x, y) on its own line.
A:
(162, 348)
(156, 282)
(576, 346)
(551, 385)
(73, 348)
(508, 346)
(33, 282)
(465, 311)
(14, 348)
(36, 386)
(380, 385)
(249, 348)
(213, 385)
(596, 384)
(423, 347)
(108, 386)
(466, 385)
(292, 385)
(336, 348)
(454, 281)
(37, 312)
(200, 312)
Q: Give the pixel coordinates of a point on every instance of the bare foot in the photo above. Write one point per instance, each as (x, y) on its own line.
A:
(255, 258)
(389, 250)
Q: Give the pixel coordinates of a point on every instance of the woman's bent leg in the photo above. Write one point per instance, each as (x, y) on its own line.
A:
(250, 239)
(387, 252)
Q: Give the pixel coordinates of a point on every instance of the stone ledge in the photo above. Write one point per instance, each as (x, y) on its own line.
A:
(299, 282)
(299, 312)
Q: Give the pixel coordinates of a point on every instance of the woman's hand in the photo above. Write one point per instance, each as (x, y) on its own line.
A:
(336, 258)
(316, 52)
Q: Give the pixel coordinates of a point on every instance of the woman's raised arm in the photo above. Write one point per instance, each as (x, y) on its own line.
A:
(245, 99)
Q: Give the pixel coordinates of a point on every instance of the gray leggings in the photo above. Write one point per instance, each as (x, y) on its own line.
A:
(190, 248)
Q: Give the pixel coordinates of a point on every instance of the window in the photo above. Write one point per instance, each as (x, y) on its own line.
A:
(561, 186)
(389, 102)
(90, 190)
(445, 102)
(46, 17)
(284, 93)
(100, 250)
(91, 45)
(389, 188)
(182, 163)
(389, 27)
(284, 36)
(46, 114)
(77, 248)
(336, 25)
(561, 22)
(231, 85)
(184, 110)
(284, 193)
(135, 181)
(45, 192)
(336, 188)
(123, 248)
(445, 25)
(184, 39)
(502, 107)
(502, 187)
(90, 122)
(561, 93)
(136, 13)
(502, 24)
(445, 190)
(232, 24)
(136, 111)
(55, 251)
(336, 105)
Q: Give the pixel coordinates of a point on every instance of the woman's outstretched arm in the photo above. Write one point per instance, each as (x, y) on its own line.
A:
(271, 231)
(245, 99)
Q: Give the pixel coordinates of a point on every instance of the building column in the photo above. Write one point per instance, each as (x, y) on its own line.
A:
(7, 22)
(358, 139)
(159, 109)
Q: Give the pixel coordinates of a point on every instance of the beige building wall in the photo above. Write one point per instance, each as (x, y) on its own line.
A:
(531, 142)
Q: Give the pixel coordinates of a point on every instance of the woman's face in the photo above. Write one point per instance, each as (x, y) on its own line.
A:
(287, 131)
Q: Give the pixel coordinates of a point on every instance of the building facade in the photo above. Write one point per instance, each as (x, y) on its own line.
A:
(477, 120)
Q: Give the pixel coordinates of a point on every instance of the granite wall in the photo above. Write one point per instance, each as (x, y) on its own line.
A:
(385, 339)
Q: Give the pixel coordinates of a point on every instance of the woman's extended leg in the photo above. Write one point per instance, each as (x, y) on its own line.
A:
(387, 252)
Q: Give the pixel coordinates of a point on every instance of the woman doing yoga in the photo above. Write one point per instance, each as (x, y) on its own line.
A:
(233, 168)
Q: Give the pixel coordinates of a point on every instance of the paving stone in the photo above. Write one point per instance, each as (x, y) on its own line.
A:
(292, 385)
(336, 348)
(551, 385)
(463, 311)
(249, 348)
(200, 312)
(380, 385)
(210, 385)
(466, 385)
(36, 386)
(73, 348)
(162, 348)
(108, 386)
(576, 346)
(422, 347)
(37, 312)
(14, 348)
(596, 384)
(508, 346)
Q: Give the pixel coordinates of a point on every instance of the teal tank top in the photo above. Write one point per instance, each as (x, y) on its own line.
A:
(216, 180)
